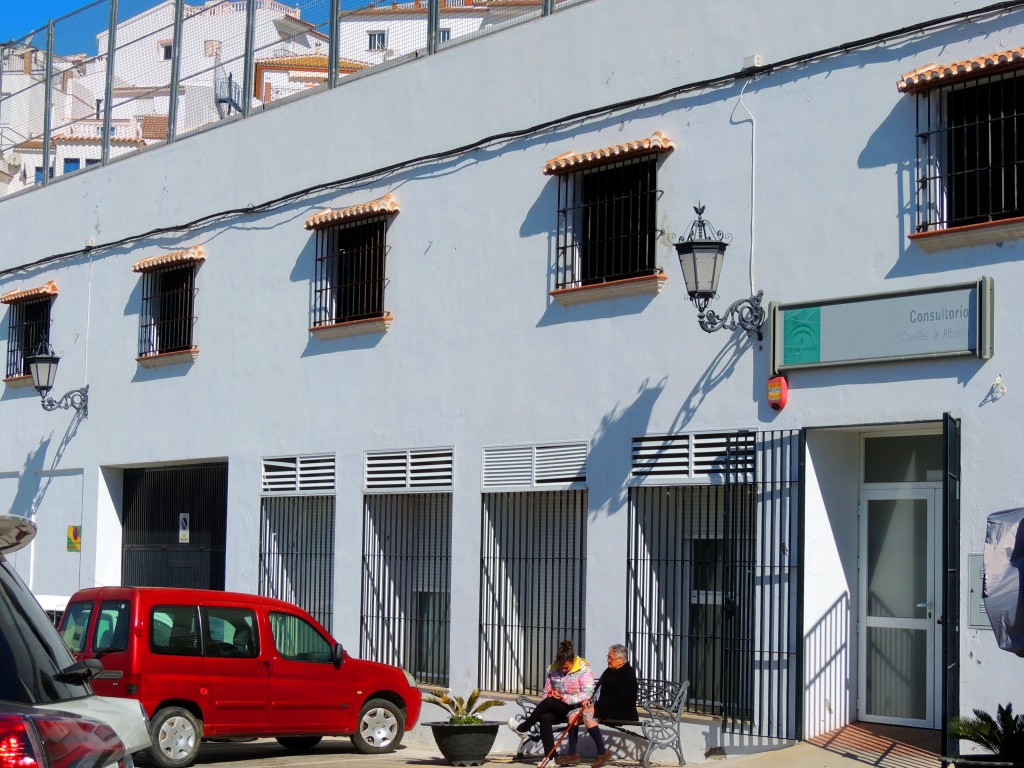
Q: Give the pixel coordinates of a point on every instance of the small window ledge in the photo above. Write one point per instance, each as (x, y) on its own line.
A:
(632, 286)
(14, 382)
(985, 233)
(168, 358)
(353, 328)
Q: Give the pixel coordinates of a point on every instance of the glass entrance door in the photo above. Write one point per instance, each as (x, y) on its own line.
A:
(899, 594)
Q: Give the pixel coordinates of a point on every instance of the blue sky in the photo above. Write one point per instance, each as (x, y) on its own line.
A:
(18, 17)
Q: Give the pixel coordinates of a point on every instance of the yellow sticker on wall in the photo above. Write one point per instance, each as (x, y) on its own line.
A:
(74, 538)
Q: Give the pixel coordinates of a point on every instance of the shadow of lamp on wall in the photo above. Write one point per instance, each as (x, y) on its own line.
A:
(701, 254)
(42, 364)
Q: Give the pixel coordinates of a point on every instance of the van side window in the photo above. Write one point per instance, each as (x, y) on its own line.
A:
(111, 633)
(75, 625)
(174, 630)
(230, 633)
(296, 639)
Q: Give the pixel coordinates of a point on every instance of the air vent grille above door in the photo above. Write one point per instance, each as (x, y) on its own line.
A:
(548, 465)
(298, 474)
(421, 468)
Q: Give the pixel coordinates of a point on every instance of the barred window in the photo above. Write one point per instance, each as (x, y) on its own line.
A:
(28, 330)
(350, 271)
(168, 310)
(532, 585)
(970, 164)
(406, 600)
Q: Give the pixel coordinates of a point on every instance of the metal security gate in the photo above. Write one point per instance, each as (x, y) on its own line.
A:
(297, 553)
(174, 521)
(713, 584)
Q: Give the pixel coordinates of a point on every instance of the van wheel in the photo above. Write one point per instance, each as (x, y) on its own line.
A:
(380, 728)
(176, 735)
(299, 743)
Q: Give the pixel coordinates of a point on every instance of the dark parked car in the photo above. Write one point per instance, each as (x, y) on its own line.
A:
(47, 706)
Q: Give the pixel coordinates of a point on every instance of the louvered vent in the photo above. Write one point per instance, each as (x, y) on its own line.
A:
(535, 465)
(707, 456)
(298, 474)
(424, 468)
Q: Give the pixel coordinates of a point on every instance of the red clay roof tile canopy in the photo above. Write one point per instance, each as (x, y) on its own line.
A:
(27, 294)
(568, 162)
(384, 205)
(934, 75)
(195, 253)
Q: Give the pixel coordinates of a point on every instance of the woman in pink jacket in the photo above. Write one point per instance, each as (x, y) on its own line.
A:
(568, 684)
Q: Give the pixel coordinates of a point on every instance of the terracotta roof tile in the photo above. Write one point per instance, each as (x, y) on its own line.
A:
(68, 138)
(574, 161)
(27, 294)
(387, 204)
(933, 75)
(310, 61)
(195, 253)
(154, 126)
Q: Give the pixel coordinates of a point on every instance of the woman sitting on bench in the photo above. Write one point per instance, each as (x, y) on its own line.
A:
(617, 702)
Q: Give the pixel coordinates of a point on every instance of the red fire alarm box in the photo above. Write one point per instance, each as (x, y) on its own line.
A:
(778, 392)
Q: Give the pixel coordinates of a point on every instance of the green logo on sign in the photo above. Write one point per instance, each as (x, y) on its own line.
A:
(802, 337)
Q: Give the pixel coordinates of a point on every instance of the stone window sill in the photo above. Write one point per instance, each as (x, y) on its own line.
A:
(986, 233)
(353, 328)
(168, 358)
(15, 382)
(632, 286)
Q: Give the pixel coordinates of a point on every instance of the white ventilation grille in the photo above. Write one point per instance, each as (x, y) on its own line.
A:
(706, 457)
(560, 464)
(423, 468)
(298, 474)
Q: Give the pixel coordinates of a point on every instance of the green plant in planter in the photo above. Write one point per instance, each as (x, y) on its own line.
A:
(463, 711)
(1002, 734)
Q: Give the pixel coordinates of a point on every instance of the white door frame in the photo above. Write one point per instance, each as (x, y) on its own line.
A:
(931, 492)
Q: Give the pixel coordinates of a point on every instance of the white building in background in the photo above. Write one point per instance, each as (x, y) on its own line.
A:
(416, 352)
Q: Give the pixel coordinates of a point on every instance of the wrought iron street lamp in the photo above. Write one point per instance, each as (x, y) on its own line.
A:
(43, 367)
(701, 254)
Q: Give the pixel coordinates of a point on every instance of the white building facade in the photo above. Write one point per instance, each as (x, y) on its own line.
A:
(432, 371)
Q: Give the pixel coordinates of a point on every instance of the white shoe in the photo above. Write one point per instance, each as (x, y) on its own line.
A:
(513, 723)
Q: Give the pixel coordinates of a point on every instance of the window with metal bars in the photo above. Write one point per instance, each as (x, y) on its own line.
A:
(28, 330)
(532, 585)
(406, 595)
(607, 223)
(168, 310)
(689, 549)
(350, 271)
(970, 164)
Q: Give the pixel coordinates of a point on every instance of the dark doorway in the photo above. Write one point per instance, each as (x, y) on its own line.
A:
(174, 521)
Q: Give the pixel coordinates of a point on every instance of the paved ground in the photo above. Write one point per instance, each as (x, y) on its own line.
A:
(844, 749)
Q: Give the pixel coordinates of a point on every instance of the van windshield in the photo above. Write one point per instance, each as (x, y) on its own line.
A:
(31, 651)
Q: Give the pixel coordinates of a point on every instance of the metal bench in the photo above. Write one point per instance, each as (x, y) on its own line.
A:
(660, 704)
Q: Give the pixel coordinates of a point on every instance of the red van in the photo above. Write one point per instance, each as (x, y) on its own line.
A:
(218, 665)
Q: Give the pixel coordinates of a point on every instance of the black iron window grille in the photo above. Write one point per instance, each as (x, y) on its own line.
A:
(532, 585)
(28, 330)
(713, 591)
(350, 271)
(168, 310)
(607, 223)
(406, 599)
(970, 159)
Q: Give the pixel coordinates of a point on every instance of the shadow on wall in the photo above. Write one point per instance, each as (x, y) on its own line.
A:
(31, 487)
(827, 670)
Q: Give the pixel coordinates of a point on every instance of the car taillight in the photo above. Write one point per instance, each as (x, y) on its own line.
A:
(56, 741)
(17, 747)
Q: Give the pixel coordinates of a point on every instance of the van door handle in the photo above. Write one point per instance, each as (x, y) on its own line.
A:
(266, 665)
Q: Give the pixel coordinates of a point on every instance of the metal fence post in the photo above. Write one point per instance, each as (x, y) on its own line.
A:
(48, 104)
(108, 86)
(547, 7)
(433, 24)
(333, 44)
(250, 54)
(172, 106)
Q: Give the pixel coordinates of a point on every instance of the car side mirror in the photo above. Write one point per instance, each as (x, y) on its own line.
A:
(80, 671)
(338, 655)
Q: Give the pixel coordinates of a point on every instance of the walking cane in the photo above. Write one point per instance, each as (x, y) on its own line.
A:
(572, 724)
